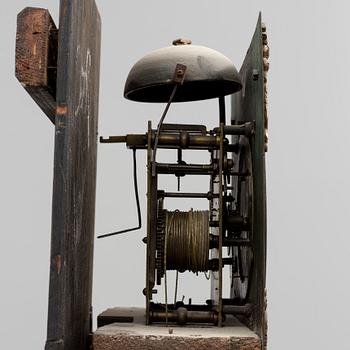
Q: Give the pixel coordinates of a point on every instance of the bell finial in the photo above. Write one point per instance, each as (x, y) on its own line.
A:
(182, 41)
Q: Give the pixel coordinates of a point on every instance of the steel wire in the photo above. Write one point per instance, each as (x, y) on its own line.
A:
(187, 241)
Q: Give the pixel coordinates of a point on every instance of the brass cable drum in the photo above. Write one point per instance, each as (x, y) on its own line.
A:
(187, 240)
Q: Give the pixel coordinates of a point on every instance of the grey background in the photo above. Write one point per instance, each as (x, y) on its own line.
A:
(307, 164)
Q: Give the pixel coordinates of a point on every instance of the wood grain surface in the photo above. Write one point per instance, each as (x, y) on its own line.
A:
(36, 57)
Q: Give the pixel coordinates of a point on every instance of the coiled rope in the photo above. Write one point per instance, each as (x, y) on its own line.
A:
(187, 240)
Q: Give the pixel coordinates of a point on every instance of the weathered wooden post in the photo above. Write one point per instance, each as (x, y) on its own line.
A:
(60, 70)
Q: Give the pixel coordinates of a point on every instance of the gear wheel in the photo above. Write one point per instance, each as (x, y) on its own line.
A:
(160, 241)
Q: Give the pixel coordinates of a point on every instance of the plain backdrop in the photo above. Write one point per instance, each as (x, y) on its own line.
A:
(307, 164)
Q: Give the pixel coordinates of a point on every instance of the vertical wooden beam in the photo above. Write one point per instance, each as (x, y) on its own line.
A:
(70, 292)
(36, 57)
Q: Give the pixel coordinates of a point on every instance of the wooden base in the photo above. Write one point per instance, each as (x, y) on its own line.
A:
(137, 336)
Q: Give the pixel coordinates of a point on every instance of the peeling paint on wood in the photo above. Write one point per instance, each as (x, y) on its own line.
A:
(58, 263)
(61, 110)
(36, 57)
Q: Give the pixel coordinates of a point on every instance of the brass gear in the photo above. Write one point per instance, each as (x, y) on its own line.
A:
(160, 242)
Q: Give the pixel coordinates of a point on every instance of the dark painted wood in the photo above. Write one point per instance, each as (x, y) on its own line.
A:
(73, 210)
(119, 315)
(36, 57)
(248, 105)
